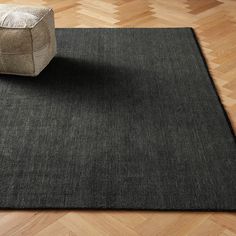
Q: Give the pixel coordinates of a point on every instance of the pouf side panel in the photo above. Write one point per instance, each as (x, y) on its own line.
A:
(44, 42)
(16, 52)
(15, 41)
(18, 65)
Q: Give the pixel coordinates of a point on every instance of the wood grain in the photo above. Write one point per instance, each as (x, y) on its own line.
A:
(215, 24)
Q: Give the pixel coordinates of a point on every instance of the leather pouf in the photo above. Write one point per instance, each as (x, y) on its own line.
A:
(27, 39)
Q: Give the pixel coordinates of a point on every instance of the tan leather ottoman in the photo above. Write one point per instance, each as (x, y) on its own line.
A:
(27, 39)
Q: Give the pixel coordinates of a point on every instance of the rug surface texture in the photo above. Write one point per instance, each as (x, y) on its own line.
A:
(120, 119)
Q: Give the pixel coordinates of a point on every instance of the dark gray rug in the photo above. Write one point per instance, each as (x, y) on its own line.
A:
(120, 119)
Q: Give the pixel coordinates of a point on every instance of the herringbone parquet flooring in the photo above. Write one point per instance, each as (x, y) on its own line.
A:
(215, 24)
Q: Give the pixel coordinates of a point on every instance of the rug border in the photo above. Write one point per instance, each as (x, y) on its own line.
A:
(213, 84)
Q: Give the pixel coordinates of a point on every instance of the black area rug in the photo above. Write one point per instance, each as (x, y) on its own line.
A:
(120, 119)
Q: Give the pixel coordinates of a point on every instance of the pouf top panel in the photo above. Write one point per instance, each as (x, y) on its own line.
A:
(21, 16)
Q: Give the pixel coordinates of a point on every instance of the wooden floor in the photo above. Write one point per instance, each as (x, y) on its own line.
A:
(215, 25)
